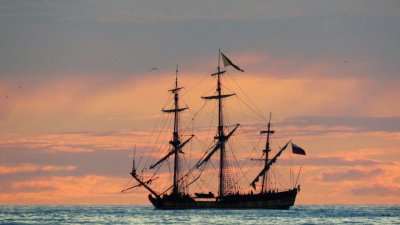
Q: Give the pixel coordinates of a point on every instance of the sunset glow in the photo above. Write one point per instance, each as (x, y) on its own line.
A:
(68, 125)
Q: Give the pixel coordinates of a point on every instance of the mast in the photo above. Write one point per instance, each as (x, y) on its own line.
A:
(176, 143)
(221, 135)
(266, 152)
(175, 140)
(268, 165)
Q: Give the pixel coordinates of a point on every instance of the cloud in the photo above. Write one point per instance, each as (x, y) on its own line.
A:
(352, 123)
(349, 174)
(327, 161)
(70, 190)
(377, 190)
(127, 38)
(28, 168)
(109, 162)
(77, 141)
(26, 157)
(84, 163)
(26, 188)
(177, 10)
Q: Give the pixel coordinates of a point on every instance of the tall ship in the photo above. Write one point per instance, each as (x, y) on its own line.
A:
(259, 192)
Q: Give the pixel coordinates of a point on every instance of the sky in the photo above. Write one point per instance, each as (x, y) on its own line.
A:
(83, 82)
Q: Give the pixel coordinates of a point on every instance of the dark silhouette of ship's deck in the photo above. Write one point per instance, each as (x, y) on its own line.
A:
(268, 200)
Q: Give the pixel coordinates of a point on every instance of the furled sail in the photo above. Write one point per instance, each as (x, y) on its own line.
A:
(174, 110)
(217, 96)
(172, 152)
(216, 147)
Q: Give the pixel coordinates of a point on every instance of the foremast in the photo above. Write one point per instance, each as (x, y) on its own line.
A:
(176, 143)
(175, 139)
(221, 137)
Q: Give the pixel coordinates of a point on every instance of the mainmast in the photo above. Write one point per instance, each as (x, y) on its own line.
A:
(266, 152)
(221, 137)
(221, 134)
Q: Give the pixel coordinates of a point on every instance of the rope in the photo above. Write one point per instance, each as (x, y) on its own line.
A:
(251, 102)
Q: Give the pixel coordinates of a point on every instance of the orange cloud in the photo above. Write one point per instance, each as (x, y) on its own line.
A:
(24, 168)
(103, 104)
(71, 190)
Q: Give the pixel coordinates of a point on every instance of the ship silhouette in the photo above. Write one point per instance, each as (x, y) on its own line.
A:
(177, 196)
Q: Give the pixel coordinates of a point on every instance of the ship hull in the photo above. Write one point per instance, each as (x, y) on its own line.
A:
(271, 200)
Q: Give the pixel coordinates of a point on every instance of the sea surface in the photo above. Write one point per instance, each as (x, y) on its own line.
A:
(149, 215)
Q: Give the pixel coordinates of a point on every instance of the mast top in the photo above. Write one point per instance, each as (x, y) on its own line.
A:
(176, 76)
(269, 131)
(176, 82)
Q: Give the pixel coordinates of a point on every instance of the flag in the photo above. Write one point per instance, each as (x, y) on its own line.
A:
(228, 62)
(297, 150)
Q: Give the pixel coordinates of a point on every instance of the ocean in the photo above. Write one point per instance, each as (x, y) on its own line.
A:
(148, 215)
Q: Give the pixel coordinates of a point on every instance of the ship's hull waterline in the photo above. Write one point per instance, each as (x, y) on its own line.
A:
(271, 200)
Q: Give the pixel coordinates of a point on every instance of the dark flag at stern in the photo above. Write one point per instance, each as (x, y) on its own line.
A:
(298, 150)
